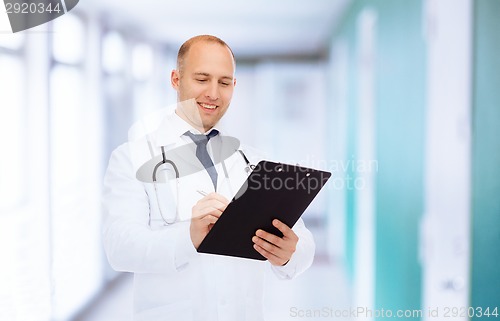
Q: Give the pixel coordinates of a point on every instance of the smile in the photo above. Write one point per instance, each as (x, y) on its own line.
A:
(207, 106)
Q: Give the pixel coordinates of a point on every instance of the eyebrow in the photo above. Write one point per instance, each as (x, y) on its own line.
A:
(208, 75)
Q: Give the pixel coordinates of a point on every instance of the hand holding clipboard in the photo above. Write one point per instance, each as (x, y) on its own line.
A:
(272, 191)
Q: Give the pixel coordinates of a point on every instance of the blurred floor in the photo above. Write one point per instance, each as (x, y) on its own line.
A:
(113, 304)
(321, 293)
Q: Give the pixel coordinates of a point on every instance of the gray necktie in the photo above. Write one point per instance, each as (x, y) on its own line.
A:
(202, 153)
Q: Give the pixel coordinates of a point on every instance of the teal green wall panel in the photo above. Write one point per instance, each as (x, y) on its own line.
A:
(401, 66)
(347, 32)
(400, 105)
(485, 277)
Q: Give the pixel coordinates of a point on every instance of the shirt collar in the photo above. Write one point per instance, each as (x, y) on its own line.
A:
(173, 127)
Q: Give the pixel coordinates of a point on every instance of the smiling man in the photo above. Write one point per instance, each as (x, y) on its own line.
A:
(205, 72)
(153, 229)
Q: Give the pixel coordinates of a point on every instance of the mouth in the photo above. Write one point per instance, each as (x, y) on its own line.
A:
(208, 107)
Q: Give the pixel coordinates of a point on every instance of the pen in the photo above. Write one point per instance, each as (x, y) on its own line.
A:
(202, 192)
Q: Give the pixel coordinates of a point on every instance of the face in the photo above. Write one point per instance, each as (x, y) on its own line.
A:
(206, 80)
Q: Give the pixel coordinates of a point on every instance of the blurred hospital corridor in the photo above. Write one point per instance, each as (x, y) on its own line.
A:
(398, 99)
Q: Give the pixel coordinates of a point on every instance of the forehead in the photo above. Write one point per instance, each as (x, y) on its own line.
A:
(209, 57)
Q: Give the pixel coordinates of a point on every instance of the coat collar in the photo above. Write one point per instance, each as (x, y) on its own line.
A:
(172, 129)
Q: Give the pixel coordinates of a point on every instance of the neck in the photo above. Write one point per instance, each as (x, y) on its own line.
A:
(184, 117)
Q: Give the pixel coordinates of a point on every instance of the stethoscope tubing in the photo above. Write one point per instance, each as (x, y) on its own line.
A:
(177, 176)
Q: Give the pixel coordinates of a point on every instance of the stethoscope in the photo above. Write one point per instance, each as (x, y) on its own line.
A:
(248, 168)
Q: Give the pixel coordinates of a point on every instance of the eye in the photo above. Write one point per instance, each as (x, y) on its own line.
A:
(201, 80)
(225, 84)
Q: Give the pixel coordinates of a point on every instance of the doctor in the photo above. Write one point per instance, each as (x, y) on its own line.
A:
(172, 281)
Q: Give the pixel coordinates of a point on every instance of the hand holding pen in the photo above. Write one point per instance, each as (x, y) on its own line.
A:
(204, 215)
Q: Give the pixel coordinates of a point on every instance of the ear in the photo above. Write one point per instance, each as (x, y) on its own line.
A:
(174, 79)
(234, 82)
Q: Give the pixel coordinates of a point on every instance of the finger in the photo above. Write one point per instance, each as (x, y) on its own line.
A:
(197, 213)
(269, 247)
(263, 252)
(216, 196)
(273, 259)
(285, 229)
(212, 207)
(209, 219)
(271, 238)
(212, 204)
(207, 211)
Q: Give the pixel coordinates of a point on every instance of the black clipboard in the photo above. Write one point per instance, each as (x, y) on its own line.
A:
(272, 190)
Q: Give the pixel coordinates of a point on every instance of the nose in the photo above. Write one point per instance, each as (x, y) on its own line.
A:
(212, 92)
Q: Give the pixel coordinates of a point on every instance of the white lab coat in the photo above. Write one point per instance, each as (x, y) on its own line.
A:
(171, 280)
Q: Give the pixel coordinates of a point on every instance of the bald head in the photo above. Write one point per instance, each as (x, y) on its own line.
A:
(184, 49)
